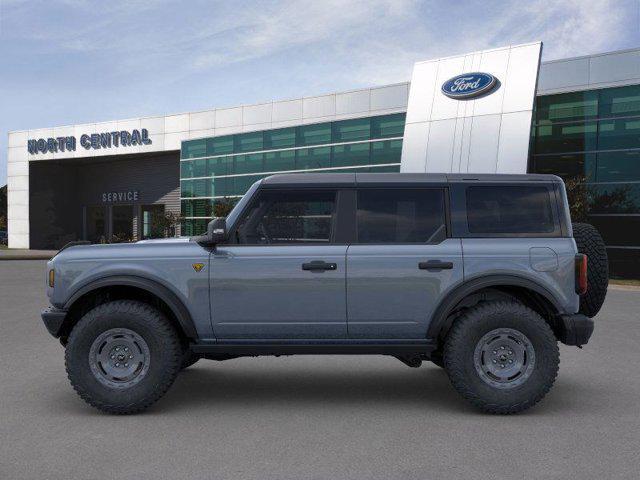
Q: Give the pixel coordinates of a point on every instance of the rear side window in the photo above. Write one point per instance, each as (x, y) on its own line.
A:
(401, 215)
(509, 209)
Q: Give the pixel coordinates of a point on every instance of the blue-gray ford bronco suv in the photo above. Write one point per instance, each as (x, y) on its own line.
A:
(480, 274)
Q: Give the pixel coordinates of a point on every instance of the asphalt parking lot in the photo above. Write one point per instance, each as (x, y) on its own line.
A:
(314, 417)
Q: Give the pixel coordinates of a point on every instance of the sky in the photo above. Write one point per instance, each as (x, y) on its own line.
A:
(65, 62)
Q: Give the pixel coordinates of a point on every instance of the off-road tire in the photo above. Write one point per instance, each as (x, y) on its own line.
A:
(466, 333)
(165, 356)
(188, 359)
(589, 242)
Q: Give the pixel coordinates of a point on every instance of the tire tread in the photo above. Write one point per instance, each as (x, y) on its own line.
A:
(455, 367)
(161, 326)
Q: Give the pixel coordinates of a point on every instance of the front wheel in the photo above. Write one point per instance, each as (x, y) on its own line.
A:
(122, 356)
(502, 357)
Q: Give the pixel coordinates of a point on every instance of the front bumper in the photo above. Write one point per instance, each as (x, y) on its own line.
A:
(575, 329)
(53, 319)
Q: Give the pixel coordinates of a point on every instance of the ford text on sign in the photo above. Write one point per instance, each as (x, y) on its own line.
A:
(469, 85)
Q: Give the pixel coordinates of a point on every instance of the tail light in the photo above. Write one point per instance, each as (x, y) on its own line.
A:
(581, 274)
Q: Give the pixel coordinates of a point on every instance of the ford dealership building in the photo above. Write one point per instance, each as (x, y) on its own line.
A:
(498, 110)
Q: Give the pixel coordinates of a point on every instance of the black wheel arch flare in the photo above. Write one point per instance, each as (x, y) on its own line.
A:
(441, 320)
(152, 287)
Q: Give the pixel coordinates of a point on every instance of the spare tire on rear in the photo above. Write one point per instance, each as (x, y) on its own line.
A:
(590, 243)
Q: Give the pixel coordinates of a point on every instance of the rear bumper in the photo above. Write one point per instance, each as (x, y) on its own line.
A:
(576, 329)
(53, 319)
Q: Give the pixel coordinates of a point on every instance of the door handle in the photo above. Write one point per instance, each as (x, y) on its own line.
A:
(435, 265)
(319, 266)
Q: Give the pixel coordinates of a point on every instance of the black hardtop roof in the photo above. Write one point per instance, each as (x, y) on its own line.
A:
(353, 179)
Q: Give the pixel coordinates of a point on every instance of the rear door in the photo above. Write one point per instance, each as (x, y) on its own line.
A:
(401, 262)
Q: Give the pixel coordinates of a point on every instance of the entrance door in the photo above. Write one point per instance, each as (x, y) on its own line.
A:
(96, 225)
(401, 263)
(122, 223)
(283, 277)
(152, 225)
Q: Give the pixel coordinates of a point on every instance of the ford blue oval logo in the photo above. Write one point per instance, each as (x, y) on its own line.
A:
(468, 85)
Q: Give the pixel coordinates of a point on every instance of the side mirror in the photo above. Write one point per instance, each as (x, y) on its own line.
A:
(216, 233)
(217, 230)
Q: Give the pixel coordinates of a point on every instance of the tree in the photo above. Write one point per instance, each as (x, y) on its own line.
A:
(578, 197)
(223, 206)
(163, 224)
(584, 199)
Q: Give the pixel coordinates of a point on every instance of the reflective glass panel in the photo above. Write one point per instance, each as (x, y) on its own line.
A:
(618, 166)
(347, 155)
(220, 166)
(248, 163)
(352, 130)
(573, 137)
(220, 145)
(614, 134)
(278, 161)
(313, 134)
(280, 138)
(308, 158)
(566, 107)
(388, 126)
(567, 166)
(388, 151)
(194, 148)
(620, 102)
(248, 142)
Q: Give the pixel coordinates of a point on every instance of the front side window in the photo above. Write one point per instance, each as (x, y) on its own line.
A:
(401, 215)
(288, 217)
(509, 209)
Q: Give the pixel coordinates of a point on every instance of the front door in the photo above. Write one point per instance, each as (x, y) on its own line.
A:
(282, 276)
(401, 263)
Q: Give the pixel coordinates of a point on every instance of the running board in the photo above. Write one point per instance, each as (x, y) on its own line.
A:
(315, 347)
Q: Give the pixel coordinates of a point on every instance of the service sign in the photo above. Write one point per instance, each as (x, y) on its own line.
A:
(93, 141)
(469, 85)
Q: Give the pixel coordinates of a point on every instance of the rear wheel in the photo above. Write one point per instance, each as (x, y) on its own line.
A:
(589, 242)
(501, 356)
(122, 356)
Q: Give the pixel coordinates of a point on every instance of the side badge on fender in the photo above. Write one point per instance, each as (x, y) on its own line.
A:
(198, 266)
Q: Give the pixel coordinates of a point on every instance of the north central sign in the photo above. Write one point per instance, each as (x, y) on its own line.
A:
(93, 141)
(469, 85)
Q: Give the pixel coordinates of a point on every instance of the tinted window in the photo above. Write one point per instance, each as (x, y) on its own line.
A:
(288, 217)
(401, 216)
(512, 209)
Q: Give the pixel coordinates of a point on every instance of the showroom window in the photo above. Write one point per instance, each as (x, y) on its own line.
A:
(592, 140)
(230, 164)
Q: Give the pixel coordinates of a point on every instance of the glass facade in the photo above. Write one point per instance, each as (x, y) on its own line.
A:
(592, 140)
(217, 168)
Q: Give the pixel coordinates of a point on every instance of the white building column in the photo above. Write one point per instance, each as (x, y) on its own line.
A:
(488, 132)
(18, 190)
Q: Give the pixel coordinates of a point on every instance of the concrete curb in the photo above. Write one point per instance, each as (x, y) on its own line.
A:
(628, 288)
(6, 258)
